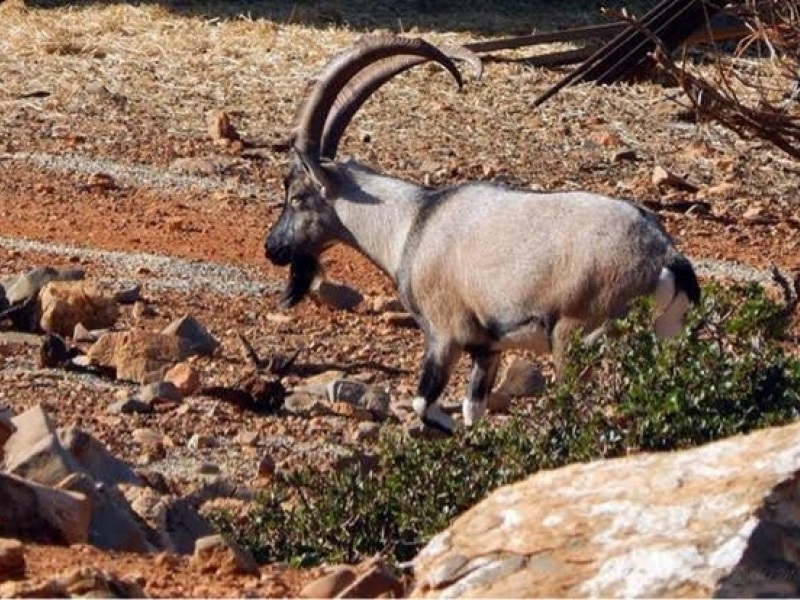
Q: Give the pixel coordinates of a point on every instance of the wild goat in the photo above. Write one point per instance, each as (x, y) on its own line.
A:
(481, 267)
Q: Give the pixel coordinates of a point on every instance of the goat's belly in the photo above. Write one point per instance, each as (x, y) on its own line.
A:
(533, 335)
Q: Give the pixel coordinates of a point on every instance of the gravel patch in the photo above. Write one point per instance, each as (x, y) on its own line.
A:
(158, 272)
(136, 175)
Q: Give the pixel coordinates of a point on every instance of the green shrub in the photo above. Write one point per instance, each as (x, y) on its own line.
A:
(627, 392)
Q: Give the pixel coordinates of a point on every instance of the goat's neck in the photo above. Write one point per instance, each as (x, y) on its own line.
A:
(377, 212)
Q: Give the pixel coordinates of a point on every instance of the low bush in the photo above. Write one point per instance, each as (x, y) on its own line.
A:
(727, 374)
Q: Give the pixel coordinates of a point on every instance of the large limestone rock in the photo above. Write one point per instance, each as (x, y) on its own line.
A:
(139, 356)
(64, 304)
(39, 452)
(719, 520)
(23, 287)
(36, 513)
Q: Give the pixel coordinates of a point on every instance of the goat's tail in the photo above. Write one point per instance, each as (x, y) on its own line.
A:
(685, 278)
(677, 288)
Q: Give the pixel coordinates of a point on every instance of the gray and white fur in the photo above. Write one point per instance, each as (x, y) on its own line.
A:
(482, 268)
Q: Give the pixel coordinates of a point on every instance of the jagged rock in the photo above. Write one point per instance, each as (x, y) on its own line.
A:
(266, 467)
(305, 405)
(130, 295)
(199, 340)
(47, 588)
(318, 384)
(522, 378)
(54, 352)
(95, 459)
(175, 522)
(12, 559)
(198, 442)
(39, 452)
(23, 287)
(346, 390)
(330, 584)
(34, 450)
(399, 319)
(717, 520)
(36, 513)
(160, 392)
(336, 295)
(64, 304)
(184, 377)
(375, 580)
(139, 356)
(7, 428)
(81, 334)
(129, 406)
(113, 525)
(217, 555)
(498, 403)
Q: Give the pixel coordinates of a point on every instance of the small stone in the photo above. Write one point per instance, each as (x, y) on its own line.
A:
(346, 390)
(129, 296)
(219, 555)
(336, 295)
(142, 309)
(82, 334)
(266, 467)
(197, 442)
(220, 127)
(499, 403)
(366, 431)
(378, 402)
(318, 384)
(624, 155)
(522, 378)
(330, 584)
(147, 437)
(129, 406)
(248, 438)
(382, 304)
(605, 138)
(374, 581)
(101, 181)
(662, 177)
(160, 392)
(351, 411)
(304, 405)
(208, 468)
(399, 319)
(200, 341)
(12, 559)
(184, 377)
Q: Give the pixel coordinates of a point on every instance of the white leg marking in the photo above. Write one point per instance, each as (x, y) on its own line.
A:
(670, 323)
(433, 415)
(473, 411)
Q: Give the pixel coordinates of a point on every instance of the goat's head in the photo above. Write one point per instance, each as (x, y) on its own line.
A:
(308, 223)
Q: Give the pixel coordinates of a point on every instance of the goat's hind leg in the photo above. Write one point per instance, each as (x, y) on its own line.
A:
(485, 363)
(437, 364)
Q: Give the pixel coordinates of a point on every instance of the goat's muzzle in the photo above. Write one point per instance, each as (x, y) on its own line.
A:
(277, 253)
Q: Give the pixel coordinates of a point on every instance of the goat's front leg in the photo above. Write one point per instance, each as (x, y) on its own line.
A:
(437, 364)
(485, 363)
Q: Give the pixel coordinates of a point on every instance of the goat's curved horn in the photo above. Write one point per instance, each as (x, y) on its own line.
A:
(368, 81)
(341, 69)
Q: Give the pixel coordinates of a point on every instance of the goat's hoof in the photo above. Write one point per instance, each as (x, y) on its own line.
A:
(473, 411)
(433, 416)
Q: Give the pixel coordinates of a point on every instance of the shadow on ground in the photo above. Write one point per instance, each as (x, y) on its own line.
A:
(503, 17)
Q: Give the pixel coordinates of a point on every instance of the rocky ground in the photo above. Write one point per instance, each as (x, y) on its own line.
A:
(111, 163)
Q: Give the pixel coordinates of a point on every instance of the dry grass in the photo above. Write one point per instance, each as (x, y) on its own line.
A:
(138, 83)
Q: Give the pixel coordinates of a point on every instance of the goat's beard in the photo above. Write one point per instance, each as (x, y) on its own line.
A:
(303, 269)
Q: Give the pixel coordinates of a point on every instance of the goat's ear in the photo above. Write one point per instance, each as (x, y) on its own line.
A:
(318, 175)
